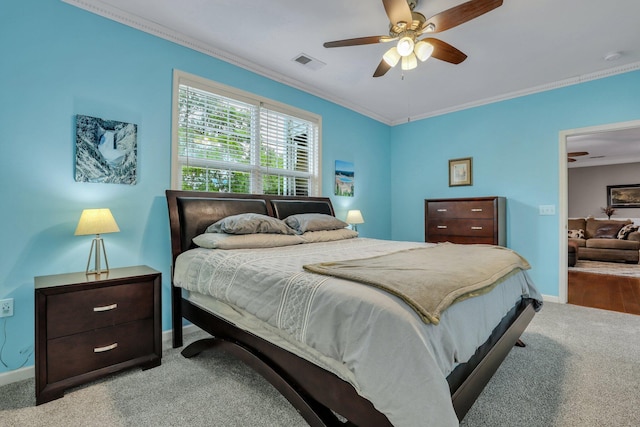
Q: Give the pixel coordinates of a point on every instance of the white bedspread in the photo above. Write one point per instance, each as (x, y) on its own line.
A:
(364, 335)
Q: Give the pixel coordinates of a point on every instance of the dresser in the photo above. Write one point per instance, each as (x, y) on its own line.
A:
(466, 220)
(88, 326)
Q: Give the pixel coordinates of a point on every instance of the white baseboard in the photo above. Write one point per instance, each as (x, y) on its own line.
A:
(17, 375)
(552, 298)
(30, 371)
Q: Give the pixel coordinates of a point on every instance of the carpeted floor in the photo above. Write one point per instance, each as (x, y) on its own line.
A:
(580, 368)
(611, 268)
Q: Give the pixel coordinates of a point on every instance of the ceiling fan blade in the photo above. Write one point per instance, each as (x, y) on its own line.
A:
(382, 69)
(577, 153)
(445, 52)
(460, 14)
(358, 41)
(398, 11)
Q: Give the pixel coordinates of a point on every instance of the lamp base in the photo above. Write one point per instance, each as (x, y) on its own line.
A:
(97, 243)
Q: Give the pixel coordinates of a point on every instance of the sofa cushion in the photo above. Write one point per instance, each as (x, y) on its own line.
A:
(626, 230)
(576, 234)
(576, 224)
(602, 228)
(606, 243)
(580, 242)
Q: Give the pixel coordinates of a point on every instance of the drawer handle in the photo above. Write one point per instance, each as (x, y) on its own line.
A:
(105, 348)
(441, 210)
(476, 228)
(476, 210)
(106, 307)
(442, 226)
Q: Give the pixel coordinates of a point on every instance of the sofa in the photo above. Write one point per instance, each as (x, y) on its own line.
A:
(605, 240)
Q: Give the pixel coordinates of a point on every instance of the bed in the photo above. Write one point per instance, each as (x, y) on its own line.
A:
(327, 391)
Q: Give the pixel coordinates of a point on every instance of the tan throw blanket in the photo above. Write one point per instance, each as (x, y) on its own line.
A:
(433, 278)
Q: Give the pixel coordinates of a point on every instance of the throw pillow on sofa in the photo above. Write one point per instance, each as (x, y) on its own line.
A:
(604, 229)
(626, 230)
(576, 234)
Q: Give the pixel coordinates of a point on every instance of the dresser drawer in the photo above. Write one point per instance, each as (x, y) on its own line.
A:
(466, 227)
(463, 209)
(73, 312)
(81, 353)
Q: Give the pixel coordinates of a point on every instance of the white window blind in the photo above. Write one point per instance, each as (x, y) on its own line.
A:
(230, 141)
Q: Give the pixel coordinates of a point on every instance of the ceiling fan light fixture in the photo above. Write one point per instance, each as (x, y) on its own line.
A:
(423, 50)
(409, 62)
(405, 46)
(391, 57)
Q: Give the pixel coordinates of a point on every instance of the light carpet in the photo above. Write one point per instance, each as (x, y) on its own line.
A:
(580, 368)
(611, 268)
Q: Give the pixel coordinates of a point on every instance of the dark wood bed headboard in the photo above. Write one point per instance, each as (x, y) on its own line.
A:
(191, 212)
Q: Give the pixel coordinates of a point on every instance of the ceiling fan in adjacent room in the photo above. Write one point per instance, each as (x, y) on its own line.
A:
(570, 156)
(407, 26)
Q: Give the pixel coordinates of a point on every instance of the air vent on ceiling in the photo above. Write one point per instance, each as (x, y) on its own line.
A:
(309, 62)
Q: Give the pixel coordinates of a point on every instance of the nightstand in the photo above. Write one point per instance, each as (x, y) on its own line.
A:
(89, 326)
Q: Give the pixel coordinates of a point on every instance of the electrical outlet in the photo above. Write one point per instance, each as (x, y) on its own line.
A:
(6, 307)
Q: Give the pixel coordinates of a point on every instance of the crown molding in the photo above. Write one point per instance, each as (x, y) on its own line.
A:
(107, 11)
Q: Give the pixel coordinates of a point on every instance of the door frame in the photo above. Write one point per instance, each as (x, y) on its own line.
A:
(563, 194)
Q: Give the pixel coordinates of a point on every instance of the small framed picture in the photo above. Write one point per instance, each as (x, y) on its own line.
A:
(460, 172)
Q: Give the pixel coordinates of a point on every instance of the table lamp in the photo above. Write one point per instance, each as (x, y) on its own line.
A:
(96, 221)
(354, 217)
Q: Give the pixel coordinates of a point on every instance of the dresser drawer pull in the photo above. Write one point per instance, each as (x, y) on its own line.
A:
(442, 226)
(476, 210)
(106, 307)
(105, 348)
(476, 228)
(441, 210)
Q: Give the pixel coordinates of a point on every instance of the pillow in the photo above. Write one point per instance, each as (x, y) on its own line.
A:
(608, 231)
(576, 234)
(302, 223)
(328, 235)
(245, 241)
(250, 223)
(626, 230)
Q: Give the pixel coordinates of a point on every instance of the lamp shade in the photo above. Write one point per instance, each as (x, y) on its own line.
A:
(354, 217)
(96, 221)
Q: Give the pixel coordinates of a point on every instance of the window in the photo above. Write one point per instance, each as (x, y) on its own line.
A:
(227, 140)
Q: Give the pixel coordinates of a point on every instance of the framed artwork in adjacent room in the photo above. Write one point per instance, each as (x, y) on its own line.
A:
(623, 196)
(460, 172)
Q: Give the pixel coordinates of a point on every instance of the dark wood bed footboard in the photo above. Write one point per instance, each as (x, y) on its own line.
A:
(316, 393)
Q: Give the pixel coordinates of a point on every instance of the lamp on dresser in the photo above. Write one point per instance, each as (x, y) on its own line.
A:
(96, 221)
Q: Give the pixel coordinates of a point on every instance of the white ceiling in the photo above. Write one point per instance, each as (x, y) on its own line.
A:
(521, 47)
(605, 148)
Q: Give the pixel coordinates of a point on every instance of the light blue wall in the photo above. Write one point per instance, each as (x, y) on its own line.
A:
(58, 61)
(514, 145)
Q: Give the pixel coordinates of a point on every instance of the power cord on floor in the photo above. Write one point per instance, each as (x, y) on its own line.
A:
(4, 341)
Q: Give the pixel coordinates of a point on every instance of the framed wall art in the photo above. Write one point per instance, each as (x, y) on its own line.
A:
(623, 196)
(460, 172)
(106, 151)
(345, 179)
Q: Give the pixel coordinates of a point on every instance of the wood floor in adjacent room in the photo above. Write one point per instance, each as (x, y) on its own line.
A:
(616, 293)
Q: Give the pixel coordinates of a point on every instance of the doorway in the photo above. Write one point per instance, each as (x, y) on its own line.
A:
(592, 134)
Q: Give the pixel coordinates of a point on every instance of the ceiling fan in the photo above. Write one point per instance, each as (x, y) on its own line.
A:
(406, 26)
(570, 156)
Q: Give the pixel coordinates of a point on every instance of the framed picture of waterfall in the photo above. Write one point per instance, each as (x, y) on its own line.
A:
(106, 151)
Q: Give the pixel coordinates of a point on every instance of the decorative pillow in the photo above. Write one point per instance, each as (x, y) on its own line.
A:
(302, 223)
(608, 231)
(250, 223)
(626, 230)
(245, 241)
(328, 235)
(576, 234)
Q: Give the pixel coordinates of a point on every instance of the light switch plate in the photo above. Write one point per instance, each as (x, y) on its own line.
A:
(547, 209)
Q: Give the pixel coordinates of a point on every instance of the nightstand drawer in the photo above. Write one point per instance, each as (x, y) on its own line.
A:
(81, 353)
(73, 312)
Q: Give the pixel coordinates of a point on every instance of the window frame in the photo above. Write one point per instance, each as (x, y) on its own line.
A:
(200, 83)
